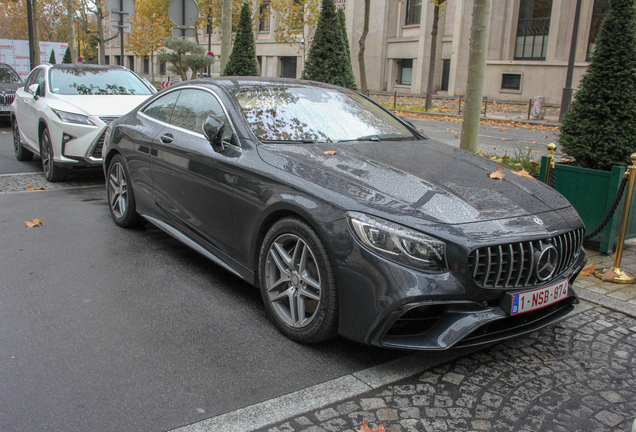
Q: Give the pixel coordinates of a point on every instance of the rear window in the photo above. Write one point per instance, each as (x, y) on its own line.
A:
(96, 82)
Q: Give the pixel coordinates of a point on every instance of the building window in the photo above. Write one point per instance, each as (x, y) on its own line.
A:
(600, 11)
(511, 82)
(264, 17)
(107, 60)
(162, 68)
(288, 67)
(118, 60)
(446, 63)
(260, 65)
(131, 63)
(413, 11)
(533, 28)
(146, 66)
(405, 71)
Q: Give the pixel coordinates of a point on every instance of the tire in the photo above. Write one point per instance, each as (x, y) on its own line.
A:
(297, 282)
(121, 199)
(52, 171)
(21, 154)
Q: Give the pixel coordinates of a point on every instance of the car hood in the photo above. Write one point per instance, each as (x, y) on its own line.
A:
(9, 88)
(425, 179)
(96, 105)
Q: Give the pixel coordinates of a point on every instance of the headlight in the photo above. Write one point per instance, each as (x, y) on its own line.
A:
(398, 243)
(72, 117)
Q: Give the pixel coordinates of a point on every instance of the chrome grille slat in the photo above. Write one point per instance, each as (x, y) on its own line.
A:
(6, 99)
(512, 265)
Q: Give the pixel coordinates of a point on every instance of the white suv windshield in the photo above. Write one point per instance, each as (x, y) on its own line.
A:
(78, 81)
(298, 113)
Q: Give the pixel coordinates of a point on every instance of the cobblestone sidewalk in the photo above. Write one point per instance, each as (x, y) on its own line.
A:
(577, 375)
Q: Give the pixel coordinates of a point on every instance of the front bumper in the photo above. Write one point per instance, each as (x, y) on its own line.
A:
(84, 148)
(388, 305)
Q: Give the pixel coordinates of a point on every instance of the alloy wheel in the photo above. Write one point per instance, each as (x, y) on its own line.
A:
(47, 154)
(16, 138)
(118, 190)
(292, 280)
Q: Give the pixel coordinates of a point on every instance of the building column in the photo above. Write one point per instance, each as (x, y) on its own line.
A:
(461, 47)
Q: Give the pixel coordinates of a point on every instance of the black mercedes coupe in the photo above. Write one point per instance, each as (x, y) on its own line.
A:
(347, 218)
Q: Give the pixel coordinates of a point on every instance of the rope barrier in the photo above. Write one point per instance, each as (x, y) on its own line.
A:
(612, 210)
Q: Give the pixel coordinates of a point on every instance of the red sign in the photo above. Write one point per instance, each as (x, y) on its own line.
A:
(210, 53)
(166, 84)
(79, 59)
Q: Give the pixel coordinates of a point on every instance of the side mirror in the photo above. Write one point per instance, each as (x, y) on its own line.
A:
(33, 89)
(213, 128)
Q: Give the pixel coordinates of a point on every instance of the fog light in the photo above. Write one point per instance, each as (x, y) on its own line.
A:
(66, 138)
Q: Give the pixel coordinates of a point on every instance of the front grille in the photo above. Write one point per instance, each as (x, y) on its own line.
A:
(513, 265)
(6, 99)
(97, 151)
(108, 120)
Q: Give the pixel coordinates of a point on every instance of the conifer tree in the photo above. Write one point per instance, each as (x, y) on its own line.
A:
(345, 39)
(52, 57)
(599, 129)
(67, 56)
(242, 61)
(328, 61)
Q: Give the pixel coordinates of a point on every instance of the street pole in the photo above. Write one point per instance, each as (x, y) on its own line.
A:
(31, 35)
(121, 31)
(566, 98)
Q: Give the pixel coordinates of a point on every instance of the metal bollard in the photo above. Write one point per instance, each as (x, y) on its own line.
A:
(394, 99)
(622, 276)
(550, 167)
(459, 110)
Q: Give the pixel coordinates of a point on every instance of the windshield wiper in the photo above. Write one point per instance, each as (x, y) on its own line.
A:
(364, 138)
(303, 141)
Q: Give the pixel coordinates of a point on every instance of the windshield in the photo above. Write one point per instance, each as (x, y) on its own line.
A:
(96, 82)
(9, 76)
(295, 113)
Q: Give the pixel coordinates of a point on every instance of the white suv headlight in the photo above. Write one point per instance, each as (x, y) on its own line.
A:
(398, 243)
(72, 117)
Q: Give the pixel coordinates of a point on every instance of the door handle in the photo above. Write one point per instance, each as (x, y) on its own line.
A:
(167, 138)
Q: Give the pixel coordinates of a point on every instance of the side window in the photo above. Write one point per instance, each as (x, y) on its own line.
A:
(31, 79)
(39, 80)
(193, 107)
(161, 109)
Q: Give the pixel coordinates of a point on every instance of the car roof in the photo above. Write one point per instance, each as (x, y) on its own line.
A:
(85, 66)
(236, 84)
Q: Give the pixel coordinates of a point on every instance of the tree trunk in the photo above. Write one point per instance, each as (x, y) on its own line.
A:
(431, 62)
(152, 67)
(226, 33)
(362, 43)
(100, 31)
(70, 9)
(476, 72)
(36, 31)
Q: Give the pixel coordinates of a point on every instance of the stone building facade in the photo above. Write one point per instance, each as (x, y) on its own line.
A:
(528, 48)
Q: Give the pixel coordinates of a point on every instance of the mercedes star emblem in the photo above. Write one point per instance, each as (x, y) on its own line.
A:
(546, 262)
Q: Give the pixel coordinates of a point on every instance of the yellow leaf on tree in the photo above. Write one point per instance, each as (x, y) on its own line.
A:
(366, 428)
(497, 175)
(34, 223)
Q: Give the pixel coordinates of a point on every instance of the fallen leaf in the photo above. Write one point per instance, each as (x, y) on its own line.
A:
(533, 163)
(503, 139)
(34, 223)
(546, 137)
(366, 428)
(536, 151)
(565, 160)
(495, 148)
(528, 148)
(533, 142)
(609, 275)
(498, 175)
(589, 270)
(456, 135)
(31, 188)
(4, 132)
(330, 152)
(523, 173)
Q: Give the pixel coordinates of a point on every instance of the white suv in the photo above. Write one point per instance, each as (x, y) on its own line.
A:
(62, 113)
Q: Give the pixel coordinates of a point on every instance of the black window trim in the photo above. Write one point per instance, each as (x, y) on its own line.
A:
(227, 116)
(502, 89)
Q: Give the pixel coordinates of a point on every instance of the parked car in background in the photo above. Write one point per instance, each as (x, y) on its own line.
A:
(347, 218)
(9, 82)
(62, 111)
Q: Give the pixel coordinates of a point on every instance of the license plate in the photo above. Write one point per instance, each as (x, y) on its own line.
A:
(538, 298)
